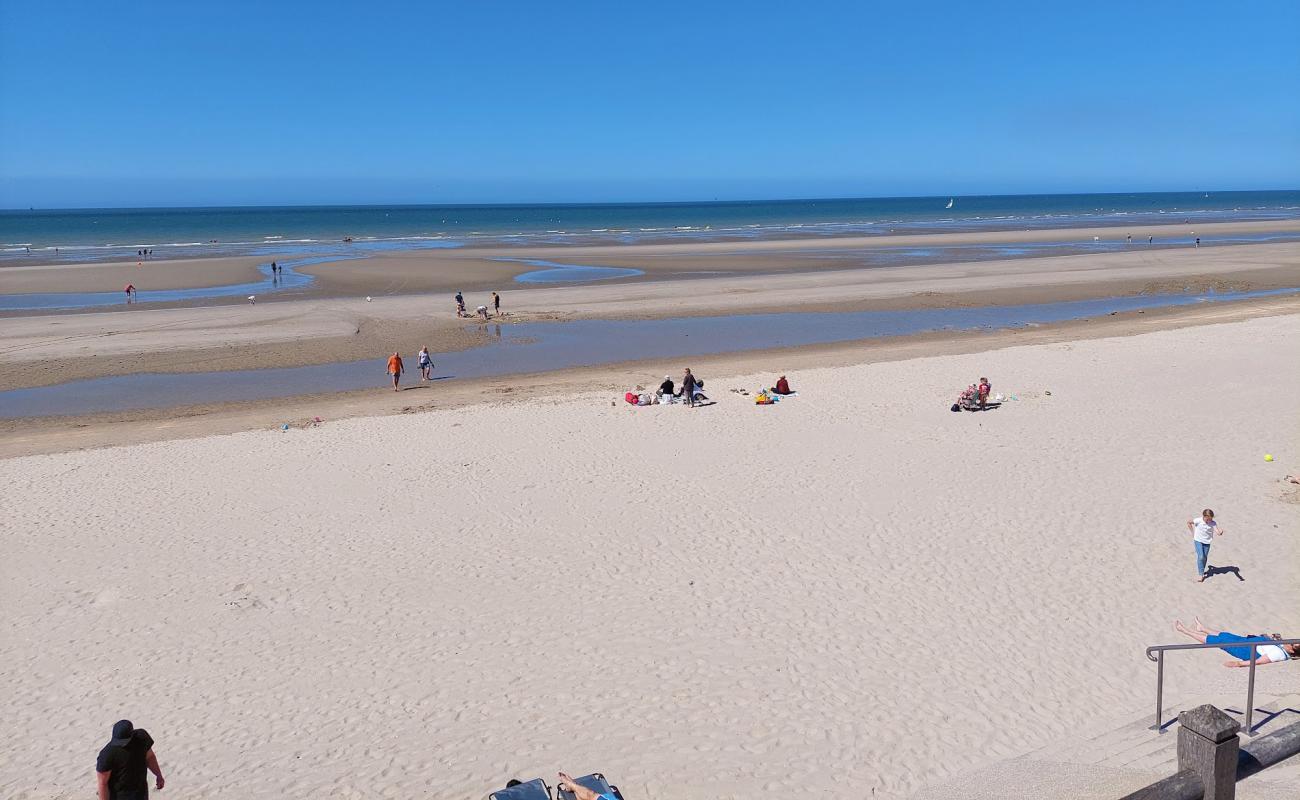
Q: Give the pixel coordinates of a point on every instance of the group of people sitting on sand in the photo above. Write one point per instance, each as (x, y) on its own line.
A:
(690, 391)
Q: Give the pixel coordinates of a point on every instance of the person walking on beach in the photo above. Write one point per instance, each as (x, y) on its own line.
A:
(121, 767)
(425, 363)
(395, 368)
(460, 304)
(1203, 532)
(688, 388)
(496, 304)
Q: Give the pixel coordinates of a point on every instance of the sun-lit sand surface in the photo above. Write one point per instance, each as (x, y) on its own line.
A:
(854, 588)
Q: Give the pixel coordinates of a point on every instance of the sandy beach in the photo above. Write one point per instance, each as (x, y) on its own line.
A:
(716, 603)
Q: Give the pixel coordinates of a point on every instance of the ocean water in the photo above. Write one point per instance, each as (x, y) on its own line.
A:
(104, 234)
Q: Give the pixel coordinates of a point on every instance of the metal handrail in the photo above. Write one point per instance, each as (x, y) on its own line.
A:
(1159, 658)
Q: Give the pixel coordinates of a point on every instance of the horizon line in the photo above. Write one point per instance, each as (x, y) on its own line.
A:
(581, 203)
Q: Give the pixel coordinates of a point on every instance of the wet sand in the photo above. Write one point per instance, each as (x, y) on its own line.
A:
(57, 434)
(55, 348)
(480, 269)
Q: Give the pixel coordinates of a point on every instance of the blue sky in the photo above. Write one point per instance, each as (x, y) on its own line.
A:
(185, 103)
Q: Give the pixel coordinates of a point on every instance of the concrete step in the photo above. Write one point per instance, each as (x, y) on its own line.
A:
(1113, 759)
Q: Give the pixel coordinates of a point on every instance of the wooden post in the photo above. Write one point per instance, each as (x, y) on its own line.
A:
(1208, 746)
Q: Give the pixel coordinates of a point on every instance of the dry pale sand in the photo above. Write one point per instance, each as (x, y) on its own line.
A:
(54, 348)
(851, 592)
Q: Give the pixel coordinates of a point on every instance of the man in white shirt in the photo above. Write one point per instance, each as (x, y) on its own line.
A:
(1203, 532)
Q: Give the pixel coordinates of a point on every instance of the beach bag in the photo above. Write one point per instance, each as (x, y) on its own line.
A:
(955, 407)
(632, 398)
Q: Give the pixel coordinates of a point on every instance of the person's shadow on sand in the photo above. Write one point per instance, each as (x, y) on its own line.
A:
(1210, 572)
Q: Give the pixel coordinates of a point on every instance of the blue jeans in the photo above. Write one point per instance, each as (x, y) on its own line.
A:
(1202, 556)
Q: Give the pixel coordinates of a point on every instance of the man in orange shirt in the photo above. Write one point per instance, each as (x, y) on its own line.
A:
(395, 369)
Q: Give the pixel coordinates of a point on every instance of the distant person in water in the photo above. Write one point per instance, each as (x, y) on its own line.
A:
(130, 292)
(496, 303)
(395, 369)
(1130, 238)
(1198, 241)
(425, 363)
(275, 268)
(1265, 654)
(1151, 239)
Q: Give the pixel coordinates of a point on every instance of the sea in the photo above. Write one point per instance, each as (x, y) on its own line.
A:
(79, 235)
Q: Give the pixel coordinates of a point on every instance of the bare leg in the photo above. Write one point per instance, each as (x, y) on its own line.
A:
(1200, 627)
(1183, 629)
(579, 792)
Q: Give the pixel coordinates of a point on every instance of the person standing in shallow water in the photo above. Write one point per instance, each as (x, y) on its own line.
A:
(395, 369)
(121, 771)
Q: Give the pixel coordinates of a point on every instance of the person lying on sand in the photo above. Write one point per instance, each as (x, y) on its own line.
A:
(581, 792)
(1265, 654)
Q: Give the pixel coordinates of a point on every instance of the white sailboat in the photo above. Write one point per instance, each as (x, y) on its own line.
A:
(949, 203)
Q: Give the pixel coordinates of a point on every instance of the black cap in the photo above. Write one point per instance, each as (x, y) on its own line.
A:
(123, 730)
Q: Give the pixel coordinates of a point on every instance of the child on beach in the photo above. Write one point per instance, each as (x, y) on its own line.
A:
(425, 363)
(984, 388)
(1267, 654)
(395, 368)
(1203, 532)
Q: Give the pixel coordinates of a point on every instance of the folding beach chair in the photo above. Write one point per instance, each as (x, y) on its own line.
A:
(536, 789)
(595, 782)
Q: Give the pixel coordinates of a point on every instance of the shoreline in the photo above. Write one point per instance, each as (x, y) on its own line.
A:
(45, 435)
(345, 273)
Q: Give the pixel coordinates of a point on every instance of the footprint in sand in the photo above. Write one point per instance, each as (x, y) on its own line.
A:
(244, 599)
(106, 597)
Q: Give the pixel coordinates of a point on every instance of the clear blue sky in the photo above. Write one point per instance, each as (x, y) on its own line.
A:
(183, 103)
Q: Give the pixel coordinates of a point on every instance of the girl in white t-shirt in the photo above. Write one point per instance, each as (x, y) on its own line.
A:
(1203, 532)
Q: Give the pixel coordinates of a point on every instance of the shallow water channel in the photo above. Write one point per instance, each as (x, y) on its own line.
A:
(543, 346)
